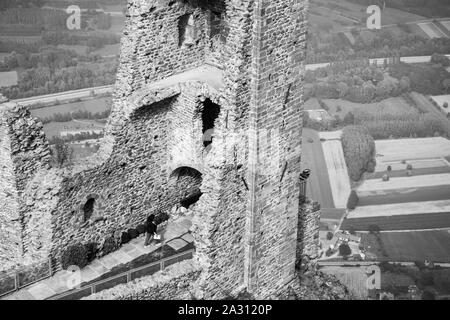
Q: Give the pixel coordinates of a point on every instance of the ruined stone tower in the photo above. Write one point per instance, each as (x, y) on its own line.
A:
(207, 111)
(240, 62)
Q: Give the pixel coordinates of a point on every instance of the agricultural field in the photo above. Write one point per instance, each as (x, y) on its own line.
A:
(422, 221)
(354, 278)
(8, 79)
(318, 185)
(55, 129)
(431, 30)
(441, 100)
(418, 200)
(358, 12)
(92, 105)
(337, 171)
(389, 108)
(109, 50)
(410, 246)
(399, 209)
(412, 149)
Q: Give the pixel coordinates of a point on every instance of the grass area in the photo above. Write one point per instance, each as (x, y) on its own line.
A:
(55, 128)
(80, 49)
(83, 150)
(400, 222)
(8, 79)
(412, 194)
(109, 50)
(409, 246)
(21, 39)
(412, 149)
(389, 15)
(389, 108)
(92, 105)
(440, 100)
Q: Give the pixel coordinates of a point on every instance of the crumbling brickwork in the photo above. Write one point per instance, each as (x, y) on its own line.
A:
(308, 231)
(230, 69)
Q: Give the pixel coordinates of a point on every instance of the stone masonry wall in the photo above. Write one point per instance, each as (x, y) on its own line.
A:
(279, 39)
(308, 231)
(172, 283)
(127, 187)
(29, 147)
(10, 227)
(245, 222)
(24, 153)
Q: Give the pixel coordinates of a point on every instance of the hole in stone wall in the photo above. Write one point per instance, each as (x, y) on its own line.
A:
(88, 209)
(210, 113)
(215, 24)
(185, 184)
(187, 202)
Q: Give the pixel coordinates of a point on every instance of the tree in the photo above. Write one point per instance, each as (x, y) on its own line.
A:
(359, 150)
(373, 228)
(440, 59)
(344, 250)
(389, 168)
(349, 118)
(63, 152)
(329, 235)
(445, 105)
(428, 295)
(353, 200)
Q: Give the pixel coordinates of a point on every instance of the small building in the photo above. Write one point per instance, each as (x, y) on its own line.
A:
(320, 115)
(348, 237)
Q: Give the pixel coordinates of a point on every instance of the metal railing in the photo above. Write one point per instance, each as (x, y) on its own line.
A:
(123, 277)
(24, 277)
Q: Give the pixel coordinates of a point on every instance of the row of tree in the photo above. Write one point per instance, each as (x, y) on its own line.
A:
(359, 151)
(47, 57)
(40, 81)
(80, 114)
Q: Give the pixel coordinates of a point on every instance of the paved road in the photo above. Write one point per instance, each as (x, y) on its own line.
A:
(65, 96)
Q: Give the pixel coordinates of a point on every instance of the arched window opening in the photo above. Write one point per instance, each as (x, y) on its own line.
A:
(210, 113)
(185, 186)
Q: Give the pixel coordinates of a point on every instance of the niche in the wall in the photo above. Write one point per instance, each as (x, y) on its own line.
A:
(217, 26)
(186, 30)
(88, 209)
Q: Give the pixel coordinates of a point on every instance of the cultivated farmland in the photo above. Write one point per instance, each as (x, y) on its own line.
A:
(440, 100)
(93, 106)
(400, 222)
(8, 79)
(410, 246)
(412, 149)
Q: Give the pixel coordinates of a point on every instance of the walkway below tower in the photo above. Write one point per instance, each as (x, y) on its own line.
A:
(175, 235)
